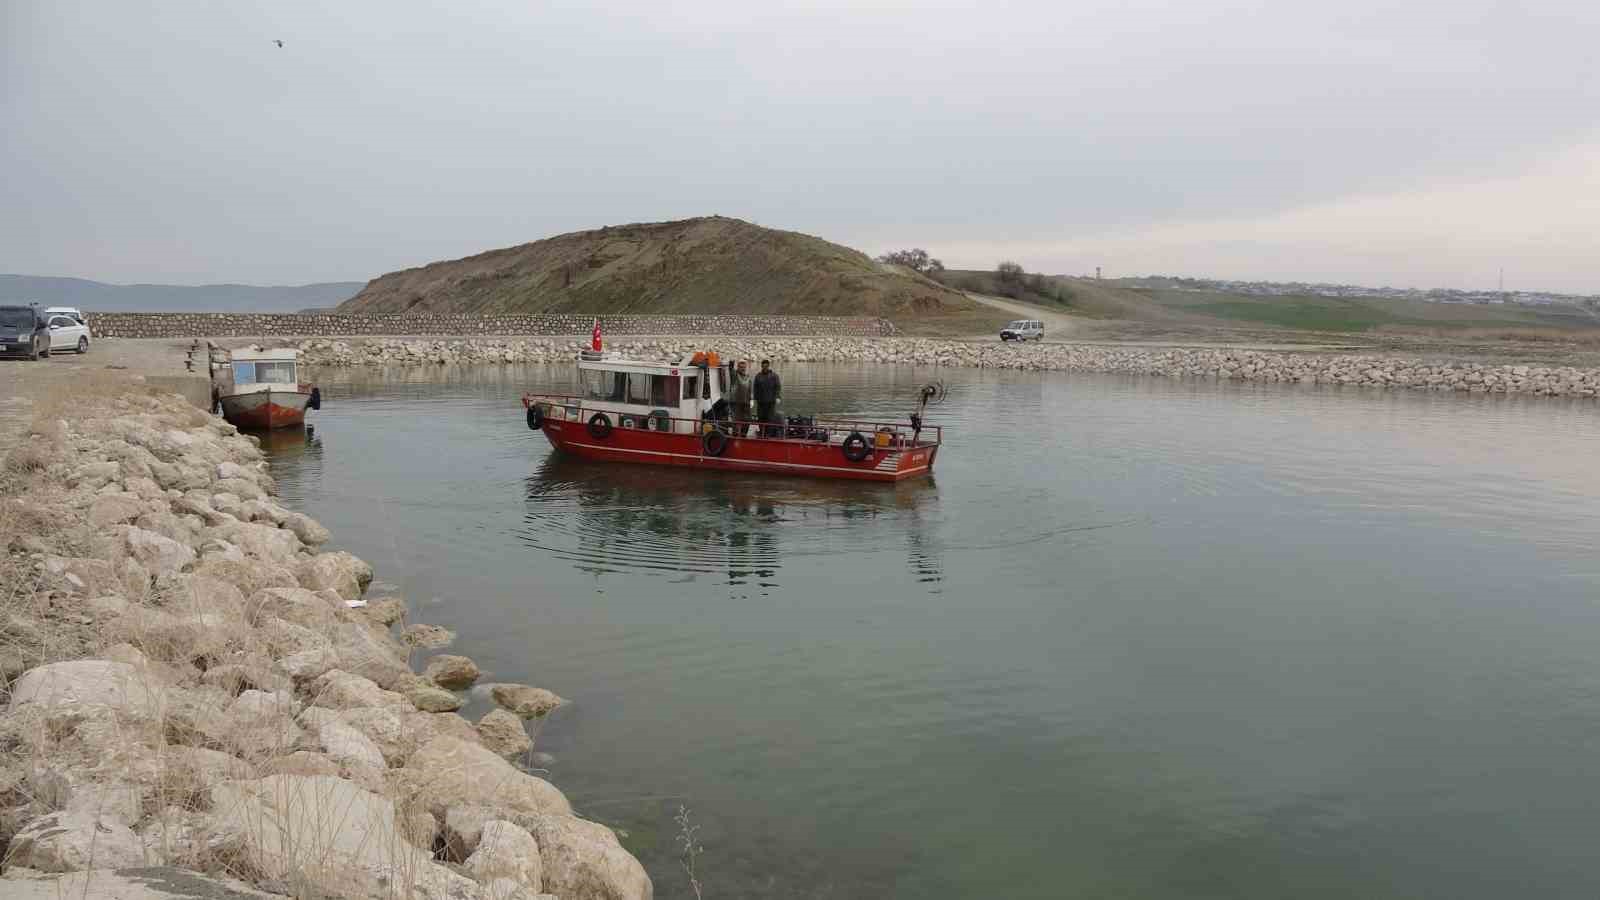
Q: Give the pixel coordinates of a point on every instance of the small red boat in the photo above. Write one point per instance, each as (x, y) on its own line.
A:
(259, 390)
(665, 413)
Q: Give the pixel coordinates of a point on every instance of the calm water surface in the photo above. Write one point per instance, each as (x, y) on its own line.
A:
(1138, 638)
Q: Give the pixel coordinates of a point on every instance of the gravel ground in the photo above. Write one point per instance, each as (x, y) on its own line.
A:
(25, 384)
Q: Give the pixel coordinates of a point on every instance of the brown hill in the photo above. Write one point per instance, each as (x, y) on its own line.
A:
(705, 265)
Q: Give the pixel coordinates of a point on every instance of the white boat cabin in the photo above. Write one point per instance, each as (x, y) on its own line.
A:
(660, 396)
(254, 371)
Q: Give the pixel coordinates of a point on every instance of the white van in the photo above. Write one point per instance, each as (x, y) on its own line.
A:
(1023, 330)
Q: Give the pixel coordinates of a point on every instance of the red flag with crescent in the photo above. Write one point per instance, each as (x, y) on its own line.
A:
(595, 338)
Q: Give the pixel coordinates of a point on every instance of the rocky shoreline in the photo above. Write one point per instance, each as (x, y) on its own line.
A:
(1168, 362)
(190, 682)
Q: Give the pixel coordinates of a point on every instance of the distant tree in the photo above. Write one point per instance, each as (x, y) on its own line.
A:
(916, 259)
(1009, 272)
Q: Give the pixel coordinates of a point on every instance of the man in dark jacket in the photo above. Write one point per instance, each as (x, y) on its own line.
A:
(768, 393)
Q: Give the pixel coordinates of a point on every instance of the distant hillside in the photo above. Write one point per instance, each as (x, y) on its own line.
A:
(1078, 296)
(1358, 314)
(95, 296)
(706, 265)
(1139, 301)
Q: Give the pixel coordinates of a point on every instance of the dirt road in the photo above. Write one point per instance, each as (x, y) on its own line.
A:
(1056, 325)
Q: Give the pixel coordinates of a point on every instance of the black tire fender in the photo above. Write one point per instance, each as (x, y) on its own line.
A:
(855, 447)
(535, 416)
(713, 442)
(599, 426)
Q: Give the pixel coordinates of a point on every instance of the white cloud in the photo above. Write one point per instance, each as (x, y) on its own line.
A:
(1540, 226)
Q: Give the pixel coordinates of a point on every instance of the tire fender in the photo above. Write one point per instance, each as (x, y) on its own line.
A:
(713, 443)
(599, 426)
(856, 447)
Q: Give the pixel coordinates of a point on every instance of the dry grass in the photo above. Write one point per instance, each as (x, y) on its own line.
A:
(689, 841)
(28, 458)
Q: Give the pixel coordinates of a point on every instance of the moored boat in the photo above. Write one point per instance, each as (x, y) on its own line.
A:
(674, 413)
(259, 390)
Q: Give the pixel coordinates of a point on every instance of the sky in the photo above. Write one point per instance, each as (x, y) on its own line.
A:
(1429, 143)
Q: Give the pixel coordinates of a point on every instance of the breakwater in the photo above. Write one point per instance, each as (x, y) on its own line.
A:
(1231, 364)
(191, 681)
(226, 325)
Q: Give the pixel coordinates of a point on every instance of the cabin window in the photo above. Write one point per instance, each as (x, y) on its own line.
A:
(691, 387)
(275, 373)
(596, 385)
(244, 373)
(638, 388)
(664, 390)
(619, 386)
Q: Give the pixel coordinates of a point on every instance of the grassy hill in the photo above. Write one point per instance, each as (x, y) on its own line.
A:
(1059, 293)
(705, 265)
(1364, 314)
(1142, 309)
(95, 296)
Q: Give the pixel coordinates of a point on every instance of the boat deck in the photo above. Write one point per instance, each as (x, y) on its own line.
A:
(824, 448)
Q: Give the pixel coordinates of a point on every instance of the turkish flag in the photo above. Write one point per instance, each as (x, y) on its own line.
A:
(595, 338)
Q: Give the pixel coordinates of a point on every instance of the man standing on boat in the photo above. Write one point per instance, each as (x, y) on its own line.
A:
(739, 395)
(768, 393)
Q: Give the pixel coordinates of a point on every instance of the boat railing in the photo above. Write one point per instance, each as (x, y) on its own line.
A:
(898, 435)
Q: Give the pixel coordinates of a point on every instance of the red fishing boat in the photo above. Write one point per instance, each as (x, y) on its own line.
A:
(259, 390)
(674, 413)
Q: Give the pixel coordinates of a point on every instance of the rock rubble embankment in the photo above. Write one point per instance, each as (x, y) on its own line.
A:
(190, 681)
(1368, 370)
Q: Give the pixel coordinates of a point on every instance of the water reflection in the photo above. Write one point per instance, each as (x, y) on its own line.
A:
(288, 444)
(606, 518)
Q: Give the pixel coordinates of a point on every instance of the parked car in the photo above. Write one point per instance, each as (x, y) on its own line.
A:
(72, 311)
(67, 333)
(1023, 330)
(23, 332)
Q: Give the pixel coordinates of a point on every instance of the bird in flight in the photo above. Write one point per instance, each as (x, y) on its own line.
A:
(279, 43)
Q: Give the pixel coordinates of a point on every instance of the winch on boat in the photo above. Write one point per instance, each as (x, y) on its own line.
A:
(678, 414)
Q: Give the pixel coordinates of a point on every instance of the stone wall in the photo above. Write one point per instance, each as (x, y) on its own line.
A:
(1361, 370)
(226, 325)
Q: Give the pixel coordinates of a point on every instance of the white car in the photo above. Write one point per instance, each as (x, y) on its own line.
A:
(67, 333)
(1023, 330)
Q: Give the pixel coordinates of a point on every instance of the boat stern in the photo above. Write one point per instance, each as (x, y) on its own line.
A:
(265, 410)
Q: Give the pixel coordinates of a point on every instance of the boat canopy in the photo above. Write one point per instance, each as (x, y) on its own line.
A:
(276, 366)
(688, 386)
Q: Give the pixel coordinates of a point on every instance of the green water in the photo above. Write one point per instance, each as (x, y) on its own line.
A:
(1136, 638)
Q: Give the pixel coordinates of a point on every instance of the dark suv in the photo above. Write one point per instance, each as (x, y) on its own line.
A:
(23, 332)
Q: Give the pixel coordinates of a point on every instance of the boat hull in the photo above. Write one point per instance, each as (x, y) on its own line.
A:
(265, 410)
(812, 459)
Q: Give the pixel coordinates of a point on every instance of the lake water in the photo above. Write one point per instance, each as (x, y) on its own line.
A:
(1136, 637)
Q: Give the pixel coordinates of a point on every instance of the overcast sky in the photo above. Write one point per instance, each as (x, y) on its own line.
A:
(1425, 143)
